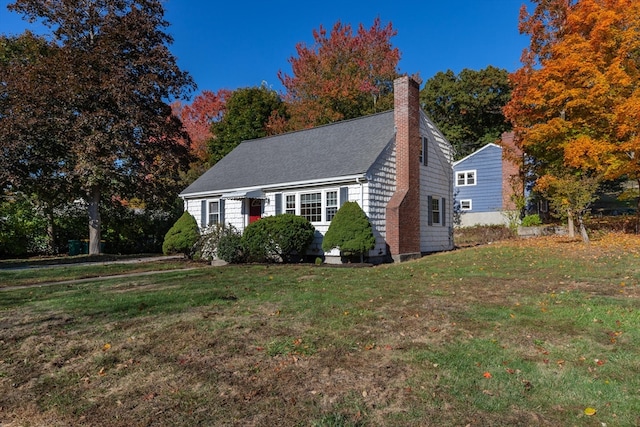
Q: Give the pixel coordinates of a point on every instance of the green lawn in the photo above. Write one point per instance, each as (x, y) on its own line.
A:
(514, 333)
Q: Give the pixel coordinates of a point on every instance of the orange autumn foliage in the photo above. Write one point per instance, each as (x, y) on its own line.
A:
(576, 99)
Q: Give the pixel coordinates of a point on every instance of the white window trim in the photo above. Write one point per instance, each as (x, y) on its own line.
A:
(210, 213)
(466, 184)
(323, 201)
(470, 205)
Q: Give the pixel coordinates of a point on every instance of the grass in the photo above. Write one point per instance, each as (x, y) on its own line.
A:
(513, 333)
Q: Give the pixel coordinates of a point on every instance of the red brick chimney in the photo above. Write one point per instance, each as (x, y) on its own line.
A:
(403, 210)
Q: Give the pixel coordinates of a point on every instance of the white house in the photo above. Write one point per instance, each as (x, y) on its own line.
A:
(396, 165)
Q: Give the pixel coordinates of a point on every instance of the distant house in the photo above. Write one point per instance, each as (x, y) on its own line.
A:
(484, 183)
(396, 165)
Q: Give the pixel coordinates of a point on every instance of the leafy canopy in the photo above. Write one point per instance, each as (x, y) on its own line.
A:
(114, 75)
(246, 116)
(342, 75)
(468, 107)
(576, 100)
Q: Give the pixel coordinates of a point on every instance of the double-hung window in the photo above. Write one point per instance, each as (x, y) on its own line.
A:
(331, 205)
(465, 178)
(214, 213)
(290, 204)
(435, 210)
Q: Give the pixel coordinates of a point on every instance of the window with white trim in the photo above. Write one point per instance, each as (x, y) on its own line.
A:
(331, 205)
(435, 210)
(465, 205)
(319, 206)
(465, 178)
(290, 204)
(214, 212)
(311, 206)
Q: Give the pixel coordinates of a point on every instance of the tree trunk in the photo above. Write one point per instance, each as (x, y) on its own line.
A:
(570, 224)
(583, 230)
(94, 221)
(51, 235)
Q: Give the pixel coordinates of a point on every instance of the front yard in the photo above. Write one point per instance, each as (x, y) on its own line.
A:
(520, 332)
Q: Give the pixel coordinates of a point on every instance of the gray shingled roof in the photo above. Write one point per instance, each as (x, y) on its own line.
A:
(340, 149)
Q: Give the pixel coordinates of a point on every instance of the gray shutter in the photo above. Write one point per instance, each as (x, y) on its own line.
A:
(429, 210)
(221, 211)
(344, 195)
(443, 211)
(278, 203)
(203, 213)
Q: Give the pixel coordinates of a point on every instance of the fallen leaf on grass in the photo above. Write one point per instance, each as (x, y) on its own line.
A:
(589, 411)
(106, 347)
(487, 375)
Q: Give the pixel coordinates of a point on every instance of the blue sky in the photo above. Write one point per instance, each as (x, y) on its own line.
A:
(230, 44)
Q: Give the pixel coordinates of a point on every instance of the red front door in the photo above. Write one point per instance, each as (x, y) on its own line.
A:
(255, 210)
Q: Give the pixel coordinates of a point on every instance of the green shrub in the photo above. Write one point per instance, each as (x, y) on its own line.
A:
(208, 244)
(182, 237)
(277, 238)
(531, 220)
(350, 231)
(230, 246)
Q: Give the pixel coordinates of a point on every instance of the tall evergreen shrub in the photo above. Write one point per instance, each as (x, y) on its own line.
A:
(182, 237)
(350, 231)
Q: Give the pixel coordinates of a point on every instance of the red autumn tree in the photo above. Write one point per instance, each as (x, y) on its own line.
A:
(197, 118)
(576, 100)
(342, 75)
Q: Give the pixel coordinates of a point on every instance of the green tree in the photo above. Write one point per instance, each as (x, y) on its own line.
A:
(570, 194)
(116, 76)
(34, 125)
(246, 116)
(350, 231)
(182, 236)
(468, 107)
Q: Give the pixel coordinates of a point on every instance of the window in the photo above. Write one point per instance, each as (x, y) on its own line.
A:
(465, 178)
(214, 213)
(331, 205)
(465, 205)
(435, 210)
(290, 204)
(424, 150)
(311, 206)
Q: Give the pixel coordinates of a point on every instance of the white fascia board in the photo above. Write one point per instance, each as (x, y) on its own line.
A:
(280, 186)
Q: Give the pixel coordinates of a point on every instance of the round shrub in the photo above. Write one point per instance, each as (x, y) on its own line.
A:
(277, 238)
(182, 236)
(350, 231)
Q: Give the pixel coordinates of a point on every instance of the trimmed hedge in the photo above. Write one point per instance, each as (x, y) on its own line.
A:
(279, 238)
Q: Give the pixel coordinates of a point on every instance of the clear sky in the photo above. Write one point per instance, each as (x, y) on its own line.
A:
(227, 44)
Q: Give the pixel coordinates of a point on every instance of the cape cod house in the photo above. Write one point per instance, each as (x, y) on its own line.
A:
(396, 165)
(484, 183)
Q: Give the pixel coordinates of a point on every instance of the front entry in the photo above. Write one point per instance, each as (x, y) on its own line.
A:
(255, 210)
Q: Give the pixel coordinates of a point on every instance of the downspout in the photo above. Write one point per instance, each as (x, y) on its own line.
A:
(361, 190)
